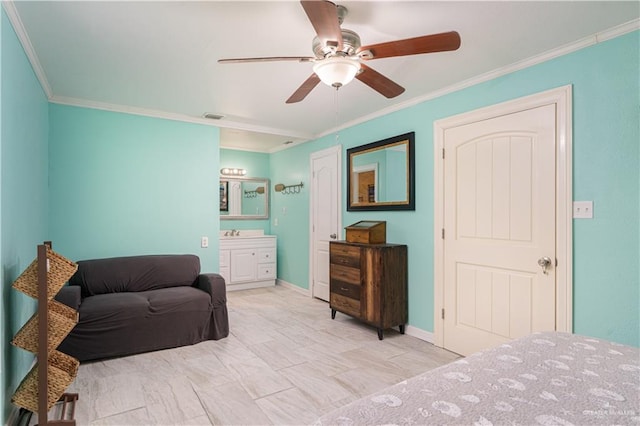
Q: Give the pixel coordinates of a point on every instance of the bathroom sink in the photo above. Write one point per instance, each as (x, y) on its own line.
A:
(243, 233)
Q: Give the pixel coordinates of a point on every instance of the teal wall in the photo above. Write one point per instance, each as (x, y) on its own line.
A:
(605, 169)
(290, 212)
(4, 357)
(23, 198)
(3, 335)
(257, 165)
(124, 185)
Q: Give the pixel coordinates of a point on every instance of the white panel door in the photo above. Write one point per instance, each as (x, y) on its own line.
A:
(499, 217)
(325, 214)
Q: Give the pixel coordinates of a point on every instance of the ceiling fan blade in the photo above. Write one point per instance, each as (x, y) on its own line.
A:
(441, 42)
(379, 82)
(324, 18)
(267, 59)
(304, 89)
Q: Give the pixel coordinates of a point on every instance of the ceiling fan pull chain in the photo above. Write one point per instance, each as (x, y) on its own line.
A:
(336, 104)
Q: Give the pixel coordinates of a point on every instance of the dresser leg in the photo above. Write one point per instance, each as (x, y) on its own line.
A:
(333, 314)
(380, 336)
(401, 328)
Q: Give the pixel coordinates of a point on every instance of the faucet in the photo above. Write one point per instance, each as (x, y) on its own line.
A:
(234, 232)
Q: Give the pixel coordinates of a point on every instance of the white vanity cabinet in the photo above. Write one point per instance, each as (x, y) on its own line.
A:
(248, 262)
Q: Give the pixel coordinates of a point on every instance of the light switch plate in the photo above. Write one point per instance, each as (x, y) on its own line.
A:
(583, 209)
(204, 242)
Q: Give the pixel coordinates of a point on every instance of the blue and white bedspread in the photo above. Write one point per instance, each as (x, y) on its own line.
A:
(541, 379)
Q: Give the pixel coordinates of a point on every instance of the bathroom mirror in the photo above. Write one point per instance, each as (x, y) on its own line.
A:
(244, 198)
(381, 175)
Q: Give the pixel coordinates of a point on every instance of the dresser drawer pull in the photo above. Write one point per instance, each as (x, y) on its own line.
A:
(344, 288)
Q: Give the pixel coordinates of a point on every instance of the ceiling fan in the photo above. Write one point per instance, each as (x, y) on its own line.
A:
(339, 56)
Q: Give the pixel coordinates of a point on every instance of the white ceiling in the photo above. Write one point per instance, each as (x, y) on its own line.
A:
(160, 58)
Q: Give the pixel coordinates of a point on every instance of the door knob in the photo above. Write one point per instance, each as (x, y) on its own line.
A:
(544, 263)
(333, 236)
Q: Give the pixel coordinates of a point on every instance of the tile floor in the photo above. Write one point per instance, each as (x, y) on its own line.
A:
(284, 362)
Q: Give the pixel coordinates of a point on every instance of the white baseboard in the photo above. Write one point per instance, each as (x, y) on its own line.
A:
(293, 287)
(416, 332)
(13, 416)
(251, 285)
(419, 333)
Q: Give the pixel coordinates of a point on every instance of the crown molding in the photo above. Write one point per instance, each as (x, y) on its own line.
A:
(176, 117)
(12, 13)
(600, 37)
(618, 31)
(18, 27)
(271, 150)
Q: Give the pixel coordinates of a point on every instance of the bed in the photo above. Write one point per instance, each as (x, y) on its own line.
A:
(544, 378)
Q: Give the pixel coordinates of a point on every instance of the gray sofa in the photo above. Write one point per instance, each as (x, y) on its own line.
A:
(129, 305)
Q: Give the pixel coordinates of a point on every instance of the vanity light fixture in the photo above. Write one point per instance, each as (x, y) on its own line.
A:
(226, 171)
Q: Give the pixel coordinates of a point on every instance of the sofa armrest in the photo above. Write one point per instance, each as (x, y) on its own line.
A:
(70, 295)
(214, 285)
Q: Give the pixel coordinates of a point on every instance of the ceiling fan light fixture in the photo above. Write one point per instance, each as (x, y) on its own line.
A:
(336, 71)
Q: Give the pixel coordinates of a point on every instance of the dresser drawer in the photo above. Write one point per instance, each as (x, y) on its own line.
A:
(340, 254)
(344, 304)
(349, 290)
(345, 274)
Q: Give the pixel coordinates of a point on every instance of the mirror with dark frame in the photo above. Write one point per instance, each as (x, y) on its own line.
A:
(381, 175)
(244, 198)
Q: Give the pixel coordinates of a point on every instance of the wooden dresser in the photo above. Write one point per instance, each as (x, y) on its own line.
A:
(369, 282)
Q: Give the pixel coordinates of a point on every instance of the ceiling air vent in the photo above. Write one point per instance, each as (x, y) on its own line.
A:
(212, 116)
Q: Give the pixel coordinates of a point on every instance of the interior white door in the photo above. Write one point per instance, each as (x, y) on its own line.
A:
(325, 215)
(500, 225)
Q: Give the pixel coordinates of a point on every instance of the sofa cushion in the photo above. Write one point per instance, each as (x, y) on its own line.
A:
(135, 273)
(112, 311)
(124, 308)
(126, 323)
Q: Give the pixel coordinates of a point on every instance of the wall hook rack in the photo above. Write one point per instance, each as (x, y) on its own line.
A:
(254, 193)
(289, 189)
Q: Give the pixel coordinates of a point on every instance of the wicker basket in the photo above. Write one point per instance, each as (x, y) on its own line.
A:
(62, 370)
(61, 321)
(59, 271)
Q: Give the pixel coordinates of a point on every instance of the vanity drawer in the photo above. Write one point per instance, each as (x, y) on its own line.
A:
(344, 304)
(266, 255)
(266, 271)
